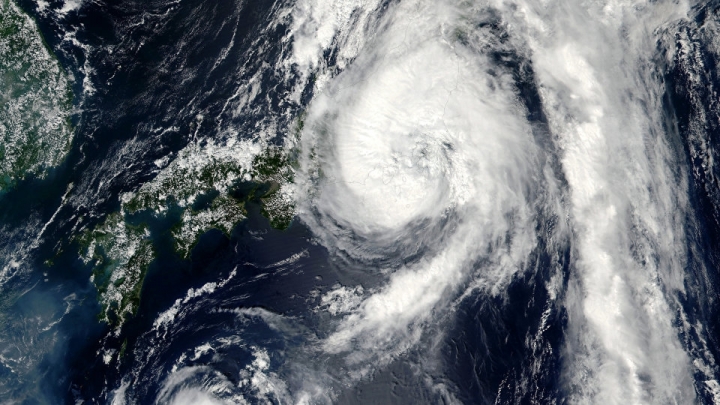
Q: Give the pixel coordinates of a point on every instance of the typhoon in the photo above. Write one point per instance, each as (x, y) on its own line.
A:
(359, 201)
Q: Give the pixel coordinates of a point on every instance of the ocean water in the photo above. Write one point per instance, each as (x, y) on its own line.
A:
(493, 202)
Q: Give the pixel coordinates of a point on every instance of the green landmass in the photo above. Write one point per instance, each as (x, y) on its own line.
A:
(120, 254)
(35, 100)
(201, 181)
(223, 214)
(274, 169)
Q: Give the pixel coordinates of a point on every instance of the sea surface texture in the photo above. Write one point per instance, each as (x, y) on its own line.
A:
(359, 202)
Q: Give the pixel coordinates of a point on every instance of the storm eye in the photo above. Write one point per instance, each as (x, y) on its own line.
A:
(359, 201)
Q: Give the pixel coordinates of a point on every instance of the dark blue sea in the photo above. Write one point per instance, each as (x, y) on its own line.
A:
(510, 313)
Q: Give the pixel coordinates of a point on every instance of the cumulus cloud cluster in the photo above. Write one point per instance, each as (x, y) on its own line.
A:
(419, 165)
(422, 142)
(420, 149)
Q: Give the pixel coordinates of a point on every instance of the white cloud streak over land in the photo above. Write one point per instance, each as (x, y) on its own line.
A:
(419, 156)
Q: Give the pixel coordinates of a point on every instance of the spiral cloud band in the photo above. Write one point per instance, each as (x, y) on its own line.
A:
(423, 138)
